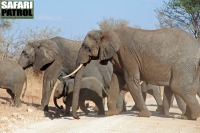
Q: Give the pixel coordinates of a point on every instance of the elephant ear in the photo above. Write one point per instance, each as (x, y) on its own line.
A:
(108, 45)
(44, 54)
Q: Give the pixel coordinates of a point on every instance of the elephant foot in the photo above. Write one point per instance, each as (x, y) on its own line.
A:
(195, 116)
(67, 114)
(75, 116)
(159, 109)
(135, 108)
(184, 117)
(113, 112)
(17, 105)
(146, 113)
(164, 112)
(40, 107)
(101, 113)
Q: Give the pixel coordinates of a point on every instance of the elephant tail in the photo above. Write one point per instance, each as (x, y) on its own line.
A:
(25, 88)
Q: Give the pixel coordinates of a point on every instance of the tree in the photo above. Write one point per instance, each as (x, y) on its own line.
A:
(5, 25)
(111, 23)
(184, 14)
(16, 38)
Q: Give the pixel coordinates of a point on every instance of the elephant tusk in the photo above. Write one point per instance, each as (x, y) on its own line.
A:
(73, 71)
(141, 82)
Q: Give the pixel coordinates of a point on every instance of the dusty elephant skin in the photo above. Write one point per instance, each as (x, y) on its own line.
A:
(165, 57)
(91, 89)
(56, 56)
(13, 78)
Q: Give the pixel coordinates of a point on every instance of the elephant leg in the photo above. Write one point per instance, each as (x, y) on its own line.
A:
(167, 96)
(83, 107)
(113, 93)
(134, 87)
(144, 88)
(10, 93)
(157, 96)
(100, 105)
(18, 87)
(49, 80)
(68, 104)
(121, 103)
(144, 95)
(181, 104)
(184, 84)
(95, 108)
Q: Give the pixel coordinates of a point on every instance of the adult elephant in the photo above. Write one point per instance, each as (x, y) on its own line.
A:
(56, 57)
(164, 57)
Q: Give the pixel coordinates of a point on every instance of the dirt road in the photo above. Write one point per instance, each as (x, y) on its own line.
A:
(127, 123)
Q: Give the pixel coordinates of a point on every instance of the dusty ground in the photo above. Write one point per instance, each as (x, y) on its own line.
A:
(28, 119)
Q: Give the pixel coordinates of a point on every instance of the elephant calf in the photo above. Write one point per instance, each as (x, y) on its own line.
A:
(91, 89)
(12, 79)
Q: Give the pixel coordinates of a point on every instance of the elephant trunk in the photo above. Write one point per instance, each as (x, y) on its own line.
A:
(56, 104)
(76, 92)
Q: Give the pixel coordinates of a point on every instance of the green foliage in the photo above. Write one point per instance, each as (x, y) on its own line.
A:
(111, 23)
(184, 14)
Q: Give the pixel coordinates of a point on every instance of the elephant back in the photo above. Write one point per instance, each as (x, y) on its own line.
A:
(68, 52)
(11, 72)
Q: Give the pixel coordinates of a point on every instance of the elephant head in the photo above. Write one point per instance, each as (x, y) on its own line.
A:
(98, 44)
(38, 54)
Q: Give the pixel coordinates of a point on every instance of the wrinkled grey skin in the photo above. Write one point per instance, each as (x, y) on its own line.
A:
(168, 96)
(91, 89)
(12, 79)
(154, 91)
(56, 57)
(164, 57)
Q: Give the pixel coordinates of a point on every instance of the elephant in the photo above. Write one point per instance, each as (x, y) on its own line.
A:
(13, 79)
(91, 89)
(56, 57)
(163, 57)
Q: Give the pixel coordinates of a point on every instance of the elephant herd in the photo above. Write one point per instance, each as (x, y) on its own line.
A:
(110, 63)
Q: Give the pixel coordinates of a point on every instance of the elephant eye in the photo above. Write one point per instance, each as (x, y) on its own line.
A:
(86, 47)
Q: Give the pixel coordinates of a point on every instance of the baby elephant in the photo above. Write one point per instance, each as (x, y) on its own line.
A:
(12, 79)
(91, 89)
